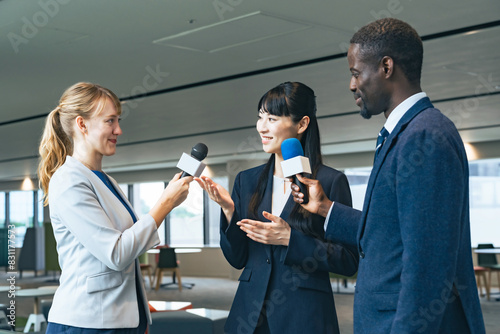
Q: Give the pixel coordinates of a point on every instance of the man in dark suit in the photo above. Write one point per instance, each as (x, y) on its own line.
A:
(413, 235)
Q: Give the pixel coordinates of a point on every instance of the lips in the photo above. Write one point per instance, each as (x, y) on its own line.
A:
(358, 100)
(266, 140)
(113, 141)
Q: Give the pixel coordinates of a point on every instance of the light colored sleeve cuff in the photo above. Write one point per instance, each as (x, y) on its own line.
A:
(328, 216)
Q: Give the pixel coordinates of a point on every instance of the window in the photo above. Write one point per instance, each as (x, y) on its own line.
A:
(186, 220)
(21, 211)
(124, 188)
(3, 215)
(40, 207)
(358, 181)
(484, 192)
(145, 196)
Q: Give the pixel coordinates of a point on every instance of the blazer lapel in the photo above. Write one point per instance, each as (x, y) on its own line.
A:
(266, 204)
(422, 104)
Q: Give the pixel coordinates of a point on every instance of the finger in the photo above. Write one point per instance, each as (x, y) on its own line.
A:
(250, 222)
(304, 180)
(176, 177)
(255, 235)
(205, 178)
(298, 199)
(297, 194)
(257, 239)
(209, 181)
(201, 183)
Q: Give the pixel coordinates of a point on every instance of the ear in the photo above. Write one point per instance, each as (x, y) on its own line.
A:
(387, 66)
(80, 123)
(303, 124)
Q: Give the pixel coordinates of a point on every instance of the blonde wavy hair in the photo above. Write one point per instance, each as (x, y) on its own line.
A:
(82, 99)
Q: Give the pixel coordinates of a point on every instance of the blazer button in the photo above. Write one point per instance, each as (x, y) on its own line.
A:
(362, 254)
(268, 261)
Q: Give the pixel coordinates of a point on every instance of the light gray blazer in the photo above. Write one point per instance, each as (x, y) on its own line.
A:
(98, 245)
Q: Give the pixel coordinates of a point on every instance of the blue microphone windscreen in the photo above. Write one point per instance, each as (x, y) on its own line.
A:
(291, 148)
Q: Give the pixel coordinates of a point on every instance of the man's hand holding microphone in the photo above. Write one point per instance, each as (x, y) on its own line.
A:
(305, 191)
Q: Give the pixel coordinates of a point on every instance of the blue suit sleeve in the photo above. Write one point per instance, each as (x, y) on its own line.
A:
(233, 240)
(326, 255)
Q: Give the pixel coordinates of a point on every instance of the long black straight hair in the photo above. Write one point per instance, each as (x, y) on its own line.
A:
(294, 100)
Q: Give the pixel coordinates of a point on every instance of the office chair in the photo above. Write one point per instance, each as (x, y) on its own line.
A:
(480, 272)
(167, 261)
(146, 268)
(488, 261)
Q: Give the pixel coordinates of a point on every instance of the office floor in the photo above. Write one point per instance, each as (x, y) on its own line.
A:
(218, 293)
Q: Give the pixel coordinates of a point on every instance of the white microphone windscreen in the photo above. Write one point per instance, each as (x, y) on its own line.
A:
(299, 164)
(190, 165)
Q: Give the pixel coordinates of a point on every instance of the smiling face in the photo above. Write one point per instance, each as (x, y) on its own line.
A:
(103, 129)
(367, 84)
(274, 130)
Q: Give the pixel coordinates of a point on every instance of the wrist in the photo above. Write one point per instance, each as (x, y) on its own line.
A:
(324, 207)
(228, 212)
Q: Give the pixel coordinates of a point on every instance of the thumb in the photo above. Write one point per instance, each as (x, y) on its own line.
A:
(304, 179)
(271, 217)
(176, 177)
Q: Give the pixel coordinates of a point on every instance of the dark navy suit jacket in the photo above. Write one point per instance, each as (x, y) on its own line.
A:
(291, 282)
(415, 270)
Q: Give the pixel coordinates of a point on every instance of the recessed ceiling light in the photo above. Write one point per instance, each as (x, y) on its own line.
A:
(471, 32)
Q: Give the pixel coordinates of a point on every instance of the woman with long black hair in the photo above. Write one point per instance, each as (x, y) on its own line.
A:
(285, 285)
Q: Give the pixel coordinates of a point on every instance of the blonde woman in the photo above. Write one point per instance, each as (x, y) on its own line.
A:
(98, 234)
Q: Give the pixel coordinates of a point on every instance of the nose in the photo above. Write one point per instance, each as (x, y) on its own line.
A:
(352, 84)
(261, 126)
(118, 130)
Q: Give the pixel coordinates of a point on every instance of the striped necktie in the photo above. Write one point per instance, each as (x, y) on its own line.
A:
(382, 136)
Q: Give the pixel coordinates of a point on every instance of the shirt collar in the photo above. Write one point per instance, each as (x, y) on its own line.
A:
(401, 109)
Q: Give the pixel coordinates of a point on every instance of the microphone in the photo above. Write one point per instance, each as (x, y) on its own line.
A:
(191, 164)
(294, 162)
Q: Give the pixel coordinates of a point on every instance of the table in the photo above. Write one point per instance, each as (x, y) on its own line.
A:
(177, 250)
(36, 318)
(211, 314)
(164, 306)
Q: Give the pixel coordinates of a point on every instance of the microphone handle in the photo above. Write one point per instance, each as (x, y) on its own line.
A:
(184, 174)
(303, 189)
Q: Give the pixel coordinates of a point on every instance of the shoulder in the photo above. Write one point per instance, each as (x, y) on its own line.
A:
(326, 172)
(67, 176)
(431, 122)
(251, 173)
(432, 126)
(430, 134)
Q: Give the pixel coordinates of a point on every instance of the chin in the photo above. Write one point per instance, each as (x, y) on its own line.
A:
(365, 113)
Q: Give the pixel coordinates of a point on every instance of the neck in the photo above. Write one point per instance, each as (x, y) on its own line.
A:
(399, 96)
(89, 162)
(278, 158)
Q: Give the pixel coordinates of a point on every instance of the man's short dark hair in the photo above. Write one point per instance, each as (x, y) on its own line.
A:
(394, 38)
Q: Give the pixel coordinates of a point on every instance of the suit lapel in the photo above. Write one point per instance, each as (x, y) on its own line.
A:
(422, 104)
(287, 210)
(266, 204)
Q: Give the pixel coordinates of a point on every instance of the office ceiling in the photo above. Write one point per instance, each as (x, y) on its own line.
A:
(193, 71)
